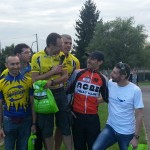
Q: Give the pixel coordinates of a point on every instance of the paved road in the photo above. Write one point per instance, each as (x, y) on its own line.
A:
(146, 99)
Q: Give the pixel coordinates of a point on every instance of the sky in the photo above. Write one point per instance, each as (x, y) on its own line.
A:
(21, 20)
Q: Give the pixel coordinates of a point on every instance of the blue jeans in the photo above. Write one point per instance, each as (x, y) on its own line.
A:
(109, 136)
(17, 132)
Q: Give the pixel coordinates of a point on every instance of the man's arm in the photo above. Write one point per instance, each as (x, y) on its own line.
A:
(139, 118)
(1, 120)
(55, 70)
(104, 89)
(1, 112)
(62, 79)
(33, 128)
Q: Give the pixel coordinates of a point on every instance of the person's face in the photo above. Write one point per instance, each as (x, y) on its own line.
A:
(25, 55)
(13, 65)
(93, 64)
(115, 75)
(53, 50)
(67, 44)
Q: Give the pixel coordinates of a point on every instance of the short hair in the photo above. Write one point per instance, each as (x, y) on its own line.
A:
(66, 36)
(124, 68)
(52, 39)
(12, 55)
(18, 48)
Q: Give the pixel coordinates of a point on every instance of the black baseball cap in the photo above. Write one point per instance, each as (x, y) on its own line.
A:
(96, 55)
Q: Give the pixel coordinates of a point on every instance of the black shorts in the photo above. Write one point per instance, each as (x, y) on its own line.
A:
(62, 116)
(46, 124)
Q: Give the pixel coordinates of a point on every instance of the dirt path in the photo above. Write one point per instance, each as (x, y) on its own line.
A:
(146, 99)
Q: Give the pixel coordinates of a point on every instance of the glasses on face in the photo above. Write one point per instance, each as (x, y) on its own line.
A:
(122, 68)
(27, 53)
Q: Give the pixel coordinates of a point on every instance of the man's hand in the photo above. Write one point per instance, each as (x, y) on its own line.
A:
(134, 143)
(2, 134)
(57, 69)
(100, 100)
(33, 129)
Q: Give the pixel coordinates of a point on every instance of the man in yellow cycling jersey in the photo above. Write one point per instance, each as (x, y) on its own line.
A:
(72, 64)
(50, 64)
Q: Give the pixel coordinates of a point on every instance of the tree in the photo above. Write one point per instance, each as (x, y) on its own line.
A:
(5, 52)
(146, 56)
(120, 40)
(85, 27)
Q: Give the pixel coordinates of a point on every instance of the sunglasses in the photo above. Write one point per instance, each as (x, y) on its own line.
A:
(122, 68)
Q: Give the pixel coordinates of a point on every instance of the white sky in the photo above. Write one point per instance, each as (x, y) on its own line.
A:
(20, 20)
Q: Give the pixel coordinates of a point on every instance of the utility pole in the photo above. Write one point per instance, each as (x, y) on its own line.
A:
(37, 42)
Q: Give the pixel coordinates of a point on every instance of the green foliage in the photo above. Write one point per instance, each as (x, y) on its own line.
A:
(5, 52)
(85, 27)
(120, 40)
(146, 56)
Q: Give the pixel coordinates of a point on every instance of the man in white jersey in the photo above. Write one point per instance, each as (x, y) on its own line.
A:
(125, 109)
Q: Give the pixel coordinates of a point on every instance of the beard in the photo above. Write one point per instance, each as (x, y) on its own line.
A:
(114, 80)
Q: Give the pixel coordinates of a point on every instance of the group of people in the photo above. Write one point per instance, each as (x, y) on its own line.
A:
(77, 93)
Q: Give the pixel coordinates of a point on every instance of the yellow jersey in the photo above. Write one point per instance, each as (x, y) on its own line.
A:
(42, 63)
(72, 63)
(15, 92)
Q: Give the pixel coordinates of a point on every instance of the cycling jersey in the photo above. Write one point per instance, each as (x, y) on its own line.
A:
(72, 63)
(24, 71)
(42, 63)
(87, 87)
(15, 92)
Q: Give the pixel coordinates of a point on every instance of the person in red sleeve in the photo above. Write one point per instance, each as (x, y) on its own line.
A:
(87, 85)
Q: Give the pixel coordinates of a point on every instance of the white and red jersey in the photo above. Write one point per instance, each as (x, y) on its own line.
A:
(86, 86)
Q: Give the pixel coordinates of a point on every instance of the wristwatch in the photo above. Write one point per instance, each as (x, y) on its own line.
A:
(136, 136)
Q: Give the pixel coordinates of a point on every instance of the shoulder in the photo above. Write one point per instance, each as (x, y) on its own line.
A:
(61, 53)
(73, 57)
(111, 83)
(36, 55)
(134, 87)
(77, 73)
(4, 73)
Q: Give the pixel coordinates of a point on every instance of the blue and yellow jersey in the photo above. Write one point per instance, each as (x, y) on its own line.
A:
(15, 93)
(42, 63)
(24, 71)
(72, 63)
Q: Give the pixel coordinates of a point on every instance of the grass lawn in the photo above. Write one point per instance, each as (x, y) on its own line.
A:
(103, 117)
(144, 83)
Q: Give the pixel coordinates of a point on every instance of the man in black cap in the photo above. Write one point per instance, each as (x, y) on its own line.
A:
(86, 85)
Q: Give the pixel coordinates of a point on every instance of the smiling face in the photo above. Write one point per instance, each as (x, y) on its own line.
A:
(93, 63)
(13, 65)
(67, 44)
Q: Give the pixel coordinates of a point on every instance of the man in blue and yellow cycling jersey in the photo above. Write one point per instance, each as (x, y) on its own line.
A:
(23, 51)
(50, 64)
(16, 106)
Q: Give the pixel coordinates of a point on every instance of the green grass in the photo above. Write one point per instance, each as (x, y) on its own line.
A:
(103, 113)
(144, 83)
